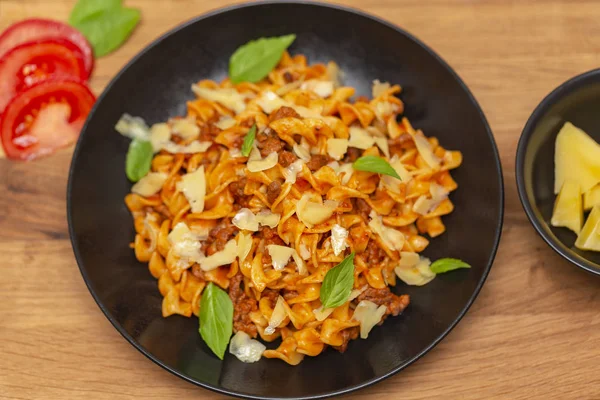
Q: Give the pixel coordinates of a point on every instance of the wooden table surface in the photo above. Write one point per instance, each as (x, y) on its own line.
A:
(534, 331)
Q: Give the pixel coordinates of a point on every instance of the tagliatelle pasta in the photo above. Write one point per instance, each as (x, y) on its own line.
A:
(267, 227)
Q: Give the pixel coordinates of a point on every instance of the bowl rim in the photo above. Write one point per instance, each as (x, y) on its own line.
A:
(539, 225)
(499, 217)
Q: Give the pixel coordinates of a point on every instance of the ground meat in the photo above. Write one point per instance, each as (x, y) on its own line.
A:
(283, 112)
(273, 191)
(395, 304)
(237, 190)
(317, 161)
(286, 158)
(248, 122)
(242, 307)
(218, 236)
(268, 142)
(352, 154)
(288, 77)
(208, 132)
(373, 253)
(363, 208)
(347, 335)
(272, 295)
(271, 237)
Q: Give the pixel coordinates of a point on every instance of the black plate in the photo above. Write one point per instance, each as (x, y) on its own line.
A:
(155, 86)
(577, 101)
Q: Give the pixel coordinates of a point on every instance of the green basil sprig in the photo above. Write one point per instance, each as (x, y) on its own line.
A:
(248, 141)
(216, 319)
(375, 164)
(139, 159)
(338, 283)
(105, 23)
(447, 264)
(255, 59)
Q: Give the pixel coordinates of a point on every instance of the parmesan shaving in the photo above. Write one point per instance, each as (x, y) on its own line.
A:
(193, 187)
(270, 102)
(425, 151)
(160, 135)
(302, 152)
(393, 183)
(225, 123)
(360, 138)
(150, 184)
(257, 164)
(246, 349)
(185, 244)
(338, 239)
(244, 245)
(185, 128)
(343, 171)
(194, 147)
(379, 88)
(132, 127)
(337, 148)
(322, 314)
(382, 143)
(246, 220)
(392, 238)
(304, 251)
(277, 317)
(368, 314)
(311, 213)
(227, 97)
(301, 266)
(223, 257)
(417, 275)
(267, 218)
(322, 89)
(424, 205)
(291, 172)
(280, 255)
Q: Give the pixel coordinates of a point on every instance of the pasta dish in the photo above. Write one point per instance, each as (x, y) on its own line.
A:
(300, 201)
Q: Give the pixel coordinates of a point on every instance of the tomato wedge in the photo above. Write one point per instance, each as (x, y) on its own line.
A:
(39, 29)
(33, 62)
(44, 118)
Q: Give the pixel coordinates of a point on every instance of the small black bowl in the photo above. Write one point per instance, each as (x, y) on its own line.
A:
(576, 101)
(155, 86)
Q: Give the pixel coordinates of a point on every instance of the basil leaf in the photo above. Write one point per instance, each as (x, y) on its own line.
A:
(216, 319)
(375, 164)
(338, 283)
(248, 141)
(254, 60)
(447, 264)
(139, 159)
(87, 8)
(107, 30)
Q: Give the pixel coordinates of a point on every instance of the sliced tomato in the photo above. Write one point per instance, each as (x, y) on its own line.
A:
(39, 29)
(44, 118)
(33, 62)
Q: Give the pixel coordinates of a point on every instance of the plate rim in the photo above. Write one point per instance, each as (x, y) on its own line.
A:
(499, 217)
(539, 225)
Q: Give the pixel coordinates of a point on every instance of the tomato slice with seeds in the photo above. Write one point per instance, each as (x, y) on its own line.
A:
(44, 118)
(40, 29)
(33, 62)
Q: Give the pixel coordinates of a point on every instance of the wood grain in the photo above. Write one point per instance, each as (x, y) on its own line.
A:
(533, 332)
